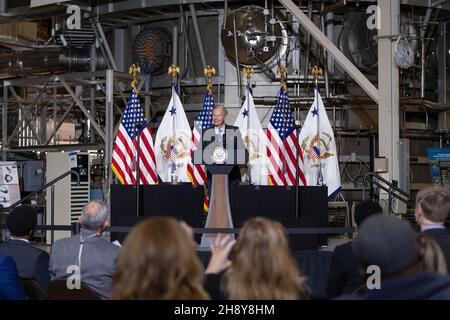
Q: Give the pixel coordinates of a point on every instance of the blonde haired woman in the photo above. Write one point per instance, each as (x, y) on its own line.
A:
(158, 261)
(261, 266)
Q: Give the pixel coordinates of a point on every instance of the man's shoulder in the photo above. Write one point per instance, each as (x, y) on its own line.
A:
(230, 127)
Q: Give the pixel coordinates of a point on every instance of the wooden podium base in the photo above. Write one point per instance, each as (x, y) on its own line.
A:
(219, 213)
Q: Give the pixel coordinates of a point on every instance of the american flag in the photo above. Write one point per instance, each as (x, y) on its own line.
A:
(124, 155)
(197, 172)
(313, 152)
(282, 146)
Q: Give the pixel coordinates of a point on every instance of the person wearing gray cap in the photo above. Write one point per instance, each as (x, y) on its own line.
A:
(391, 245)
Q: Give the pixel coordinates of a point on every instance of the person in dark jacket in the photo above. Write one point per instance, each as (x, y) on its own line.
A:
(431, 212)
(31, 262)
(343, 275)
(387, 251)
(10, 288)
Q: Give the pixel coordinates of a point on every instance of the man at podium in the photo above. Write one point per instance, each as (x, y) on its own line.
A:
(222, 152)
(222, 145)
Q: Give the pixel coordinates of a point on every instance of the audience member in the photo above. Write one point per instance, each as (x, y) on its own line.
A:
(95, 256)
(10, 288)
(158, 261)
(31, 262)
(390, 245)
(262, 266)
(431, 255)
(343, 275)
(432, 210)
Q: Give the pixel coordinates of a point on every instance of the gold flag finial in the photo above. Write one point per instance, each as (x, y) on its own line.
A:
(209, 72)
(283, 71)
(317, 72)
(134, 71)
(174, 71)
(248, 72)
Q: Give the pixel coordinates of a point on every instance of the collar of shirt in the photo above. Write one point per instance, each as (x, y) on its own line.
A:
(220, 130)
(435, 227)
(20, 239)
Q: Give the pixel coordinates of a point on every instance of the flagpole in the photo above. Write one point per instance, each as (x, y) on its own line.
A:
(173, 71)
(248, 71)
(136, 70)
(316, 71)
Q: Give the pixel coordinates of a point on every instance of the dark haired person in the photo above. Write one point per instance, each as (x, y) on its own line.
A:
(31, 262)
(344, 276)
(389, 246)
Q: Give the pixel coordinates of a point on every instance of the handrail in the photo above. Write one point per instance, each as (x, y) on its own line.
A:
(391, 188)
(48, 184)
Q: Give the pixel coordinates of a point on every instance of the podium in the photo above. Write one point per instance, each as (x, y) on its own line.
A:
(219, 212)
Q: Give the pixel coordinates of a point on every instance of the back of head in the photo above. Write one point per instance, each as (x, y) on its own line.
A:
(387, 242)
(158, 261)
(262, 266)
(22, 220)
(431, 255)
(434, 201)
(365, 209)
(93, 215)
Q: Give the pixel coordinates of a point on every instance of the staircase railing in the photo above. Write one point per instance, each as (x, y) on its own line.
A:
(50, 184)
(383, 184)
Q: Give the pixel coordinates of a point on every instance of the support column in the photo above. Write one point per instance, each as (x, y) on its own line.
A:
(109, 138)
(4, 121)
(442, 74)
(388, 87)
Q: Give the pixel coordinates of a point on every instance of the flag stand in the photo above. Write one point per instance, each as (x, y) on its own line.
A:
(136, 70)
(316, 71)
(248, 72)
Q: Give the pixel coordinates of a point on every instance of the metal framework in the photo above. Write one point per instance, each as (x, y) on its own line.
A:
(58, 97)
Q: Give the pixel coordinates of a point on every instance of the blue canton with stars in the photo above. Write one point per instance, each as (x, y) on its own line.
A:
(282, 119)
(204, 120)
(133, 114)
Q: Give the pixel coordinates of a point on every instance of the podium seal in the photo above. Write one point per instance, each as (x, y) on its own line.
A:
(219, 155)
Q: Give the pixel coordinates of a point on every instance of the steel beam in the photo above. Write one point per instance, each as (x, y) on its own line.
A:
(388, 84)
(60, 122)
(82, 107)
(26, 113)
(198, 35)
(4, 121)
(340, 58)
(109, 120)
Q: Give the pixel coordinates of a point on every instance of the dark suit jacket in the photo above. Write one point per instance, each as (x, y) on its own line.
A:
(235, 174)
(442, 237)
(10, 288)
(31, 262)
(343, 277)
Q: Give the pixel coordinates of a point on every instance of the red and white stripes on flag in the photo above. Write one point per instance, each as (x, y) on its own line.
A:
(124, 157)
(282, 146)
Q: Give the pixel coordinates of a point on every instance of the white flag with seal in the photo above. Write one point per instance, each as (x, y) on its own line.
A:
(173, 143)
(319, 149)
(255, 141)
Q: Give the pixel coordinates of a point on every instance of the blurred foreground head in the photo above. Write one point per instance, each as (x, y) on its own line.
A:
(262, 265)
(158, 261)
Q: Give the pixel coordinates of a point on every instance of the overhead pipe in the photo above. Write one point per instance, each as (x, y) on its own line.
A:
(106, 46)
(188, 44)
(308, 43)
(238, 71)
(198, 35)
(325, 54)
(175, 45)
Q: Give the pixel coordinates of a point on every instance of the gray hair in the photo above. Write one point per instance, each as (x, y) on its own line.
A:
(222, 107)
(93, 215)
